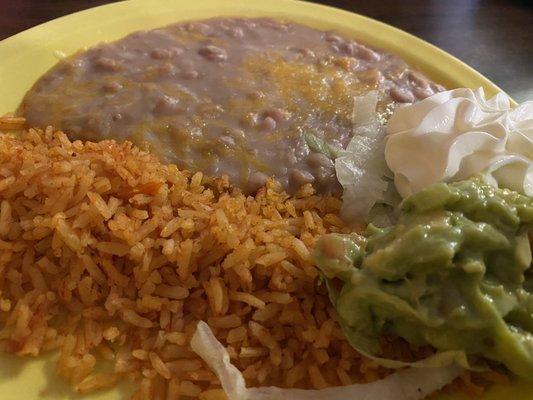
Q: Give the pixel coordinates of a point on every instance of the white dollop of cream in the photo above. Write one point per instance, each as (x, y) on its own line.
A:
(453, 135)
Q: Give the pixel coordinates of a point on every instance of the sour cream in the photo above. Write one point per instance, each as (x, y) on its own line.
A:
(453, 135)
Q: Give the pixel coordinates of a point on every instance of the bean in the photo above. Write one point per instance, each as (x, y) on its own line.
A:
(67, 66)
(318, 160)
(167, 69)
(422, 93)
(418, 79)
(323, 169)
(333, 248)
(276, 114)
(332, 38)
(160, 54)
(112, 87)
(303, 51)
(354, 49)
(366, 54)
(213, 53)
(107, 64)
(437, 88)
(167, 105)
(257, 95)
(256, 180)
(402, 95)
(190, 74)
(348, 48)
(326, 179)
(298, 177)
(268, 124)
(335, 47)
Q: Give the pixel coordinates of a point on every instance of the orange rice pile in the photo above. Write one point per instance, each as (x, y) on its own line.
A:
(105, 253)
(112, 257)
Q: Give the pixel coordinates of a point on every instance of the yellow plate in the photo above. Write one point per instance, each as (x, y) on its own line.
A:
(26, 56)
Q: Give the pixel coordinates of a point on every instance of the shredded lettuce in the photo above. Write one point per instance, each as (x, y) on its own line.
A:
(407, 384)
(361, 169)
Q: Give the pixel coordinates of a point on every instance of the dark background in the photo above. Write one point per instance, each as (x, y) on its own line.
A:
(493, 36)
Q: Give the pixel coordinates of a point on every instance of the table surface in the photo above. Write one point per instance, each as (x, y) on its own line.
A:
(493, 36)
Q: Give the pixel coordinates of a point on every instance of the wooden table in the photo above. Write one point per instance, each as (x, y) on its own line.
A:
(493, 36)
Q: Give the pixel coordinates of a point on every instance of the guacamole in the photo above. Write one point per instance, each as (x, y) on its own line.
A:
(454, 273)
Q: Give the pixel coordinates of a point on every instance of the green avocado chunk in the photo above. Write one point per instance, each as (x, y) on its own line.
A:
(454, 273)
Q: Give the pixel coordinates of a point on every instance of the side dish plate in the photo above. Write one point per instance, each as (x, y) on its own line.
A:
(27, 55)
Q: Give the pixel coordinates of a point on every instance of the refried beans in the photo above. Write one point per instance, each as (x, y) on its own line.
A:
(225, 96)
